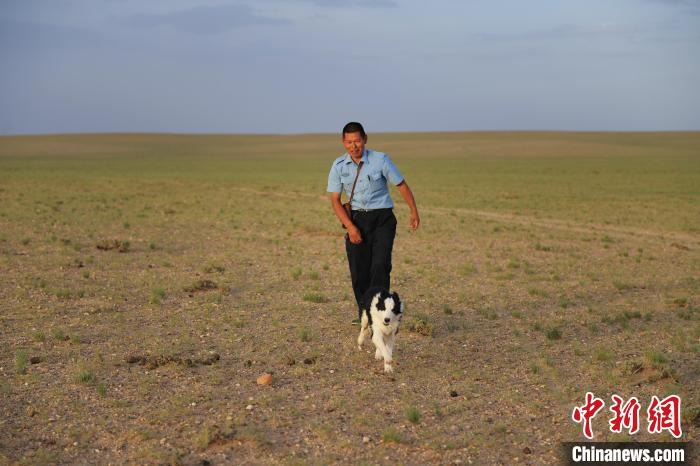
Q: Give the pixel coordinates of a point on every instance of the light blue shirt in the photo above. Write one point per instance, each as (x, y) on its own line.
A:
(371, 191)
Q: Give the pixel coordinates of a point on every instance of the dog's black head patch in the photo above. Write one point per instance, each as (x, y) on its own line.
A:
(381, 295)
(397, 303)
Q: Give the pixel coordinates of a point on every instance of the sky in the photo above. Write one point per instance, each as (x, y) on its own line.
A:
(310, 66)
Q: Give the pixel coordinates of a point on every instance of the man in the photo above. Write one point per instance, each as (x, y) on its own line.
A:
(372, 224)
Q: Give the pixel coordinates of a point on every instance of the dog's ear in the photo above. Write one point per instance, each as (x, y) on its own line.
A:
(398, 305)
(378, 302)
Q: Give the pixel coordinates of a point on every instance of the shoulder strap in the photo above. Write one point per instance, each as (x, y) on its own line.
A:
(359, 167)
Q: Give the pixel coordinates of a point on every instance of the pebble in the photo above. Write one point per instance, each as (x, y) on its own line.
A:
(365, 439)
(265, 379)
(249, 407)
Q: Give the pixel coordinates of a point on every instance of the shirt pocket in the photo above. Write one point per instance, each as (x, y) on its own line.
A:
(347, 179)
(377, 181)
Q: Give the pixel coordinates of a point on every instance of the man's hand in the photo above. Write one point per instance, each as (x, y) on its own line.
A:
(415, 221)
(411, 202)
(354, 235)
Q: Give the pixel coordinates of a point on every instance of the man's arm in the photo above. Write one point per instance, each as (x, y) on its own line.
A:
(411, 202)
(353, 232)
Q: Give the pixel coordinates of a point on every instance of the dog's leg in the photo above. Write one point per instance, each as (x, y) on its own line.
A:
(363, 331)
(378, 340)
(390, 345)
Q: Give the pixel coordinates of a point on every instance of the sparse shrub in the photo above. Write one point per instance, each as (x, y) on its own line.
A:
(656, 358)
(119, 245)
(214, 268)
(84, 375)
(542, 247)
(418, 323)
(101, 390)
(534, 368)
(564, 303)
(63, 294)
(314, 298)
(413, 415)
(505, 276)
(39, 336)
(59, 335)
(75, 339)
(157, 295)
(514, 263)
(467, 269)
(553, 333)
(392, 435)
(680, 302)
(622, 286)
(537, 292)
(152, 246)
(200, 285)
(516, 314)
(86, 274)
(21, 361)
(604, 355)
(25, 241)
(296, 273)
(490, 314)
(39, 282)
(313, 275)
(305, 334)
(127, 225)
(447, 309)
(202, 440)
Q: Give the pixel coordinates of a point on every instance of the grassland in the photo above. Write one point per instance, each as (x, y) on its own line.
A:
(146, 281)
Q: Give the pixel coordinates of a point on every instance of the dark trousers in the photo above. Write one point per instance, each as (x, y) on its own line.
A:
(370, 261)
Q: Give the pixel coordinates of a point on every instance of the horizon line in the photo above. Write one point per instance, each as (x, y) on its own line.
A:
(203, 133)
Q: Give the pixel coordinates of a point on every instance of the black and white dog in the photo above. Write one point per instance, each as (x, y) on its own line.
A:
(381, 317)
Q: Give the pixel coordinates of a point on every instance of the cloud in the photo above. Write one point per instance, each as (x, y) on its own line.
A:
(23, 36)
(353, 3)
(689, 6)
(209, 19)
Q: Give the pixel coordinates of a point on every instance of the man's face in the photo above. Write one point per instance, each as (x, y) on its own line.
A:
(355, 144)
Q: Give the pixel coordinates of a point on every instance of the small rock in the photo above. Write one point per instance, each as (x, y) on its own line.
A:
(35, 359)
(527, 450)
(31, 412)
(249, 407)
(265, 379)
(310, 360)
(365, 439)
(453, 393)
(289, 361)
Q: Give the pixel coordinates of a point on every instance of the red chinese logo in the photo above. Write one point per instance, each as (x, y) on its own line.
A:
(626, 415)
(587, 412)
(661, 415)
(665, 415)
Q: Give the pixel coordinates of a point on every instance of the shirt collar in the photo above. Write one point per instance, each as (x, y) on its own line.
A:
(364, 158)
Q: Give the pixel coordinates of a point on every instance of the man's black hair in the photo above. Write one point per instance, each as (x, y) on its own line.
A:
(354, 127)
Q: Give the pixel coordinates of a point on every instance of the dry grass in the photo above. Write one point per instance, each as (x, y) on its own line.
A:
(547, 265)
